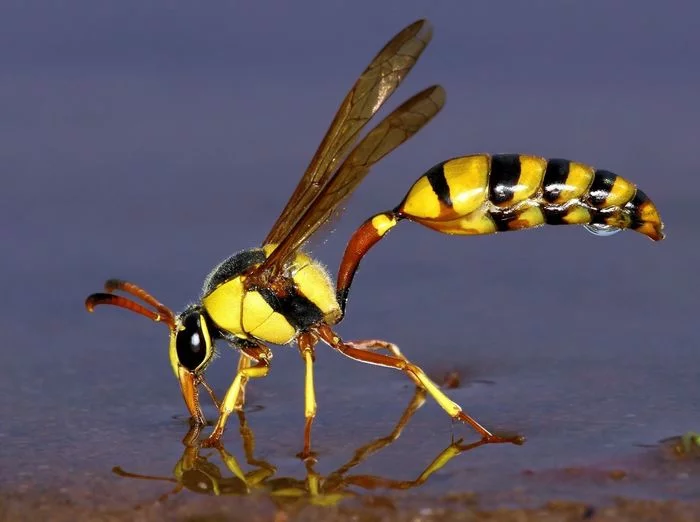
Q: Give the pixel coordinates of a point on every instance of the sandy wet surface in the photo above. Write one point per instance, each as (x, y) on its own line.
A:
(465, 507)
(405, 479)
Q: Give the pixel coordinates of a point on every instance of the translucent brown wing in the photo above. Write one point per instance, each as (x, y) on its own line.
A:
(376, 84)
(395, 129)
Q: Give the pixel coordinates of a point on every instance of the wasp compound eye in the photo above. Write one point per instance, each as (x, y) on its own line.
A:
(191, 343)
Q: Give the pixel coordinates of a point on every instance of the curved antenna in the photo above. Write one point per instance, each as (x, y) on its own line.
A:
(162, 313)
(125, 286)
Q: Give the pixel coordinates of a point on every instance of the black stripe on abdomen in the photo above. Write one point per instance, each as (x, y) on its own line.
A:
(436, 178)
(555, 176)
(634, 207)
(504, 176)
(599, 191)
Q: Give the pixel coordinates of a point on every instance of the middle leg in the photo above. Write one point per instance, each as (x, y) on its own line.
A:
(307, 341)
(244, 362)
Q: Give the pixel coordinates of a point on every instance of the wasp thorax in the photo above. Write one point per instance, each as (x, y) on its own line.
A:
(193, 342)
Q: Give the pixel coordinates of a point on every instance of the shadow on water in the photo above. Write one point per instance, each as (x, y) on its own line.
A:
(199, 473)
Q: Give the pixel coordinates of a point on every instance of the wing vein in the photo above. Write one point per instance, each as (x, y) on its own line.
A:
(374, 86)
(403, 123)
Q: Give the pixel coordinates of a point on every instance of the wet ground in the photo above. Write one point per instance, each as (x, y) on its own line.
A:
(149, 145)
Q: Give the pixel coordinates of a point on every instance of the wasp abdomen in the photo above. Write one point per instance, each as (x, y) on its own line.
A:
(484, 194)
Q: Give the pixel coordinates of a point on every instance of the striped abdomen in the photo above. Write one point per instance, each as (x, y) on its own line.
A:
(485, 194)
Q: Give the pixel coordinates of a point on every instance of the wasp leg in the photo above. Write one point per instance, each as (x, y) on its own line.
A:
(373, 345)
(371, 482)
(452, 408)
(256, 476)
(365, 451)
(306, 343)
(244, 362)
(260, 354)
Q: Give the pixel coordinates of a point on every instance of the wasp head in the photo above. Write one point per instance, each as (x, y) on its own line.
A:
(191, 345)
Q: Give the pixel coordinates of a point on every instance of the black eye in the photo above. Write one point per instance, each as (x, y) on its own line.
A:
(191, 344)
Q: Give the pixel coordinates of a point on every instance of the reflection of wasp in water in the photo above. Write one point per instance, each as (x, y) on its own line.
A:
(276, 294)
(684, 447)
(197, 473)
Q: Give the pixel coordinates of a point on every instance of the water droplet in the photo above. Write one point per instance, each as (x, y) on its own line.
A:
(598, 229)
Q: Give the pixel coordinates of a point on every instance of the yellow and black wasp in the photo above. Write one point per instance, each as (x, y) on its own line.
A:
(277, 294)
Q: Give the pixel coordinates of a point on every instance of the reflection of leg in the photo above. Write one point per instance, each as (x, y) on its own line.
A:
(228, 405)
(246, 436)
(365, 451)
(416, 374)
(306, 348)
(373, 345)
(448, 454)
(249, 444)
(373, 481)
(256, 476)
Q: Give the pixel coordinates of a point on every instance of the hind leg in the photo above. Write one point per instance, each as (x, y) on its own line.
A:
(453, 409)
(374, 345)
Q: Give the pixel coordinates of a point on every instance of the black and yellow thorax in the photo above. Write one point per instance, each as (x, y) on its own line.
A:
(305, 296)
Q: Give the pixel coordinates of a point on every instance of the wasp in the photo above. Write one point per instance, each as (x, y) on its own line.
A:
(277, 294)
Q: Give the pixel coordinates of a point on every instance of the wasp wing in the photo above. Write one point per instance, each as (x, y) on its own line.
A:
(374, 86)
(395, 129)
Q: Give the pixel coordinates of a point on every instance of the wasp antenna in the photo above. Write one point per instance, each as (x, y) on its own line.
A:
(130, 288)
(122, 302)
(166, 315)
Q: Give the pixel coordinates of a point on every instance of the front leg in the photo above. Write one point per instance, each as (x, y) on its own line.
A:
(365, 451)
(244, 362)
(261, 355)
